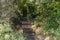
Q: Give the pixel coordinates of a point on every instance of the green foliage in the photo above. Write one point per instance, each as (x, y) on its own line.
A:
(39, 10)
(7, 33)
(51, 25)
(49, 12)
(6, 12)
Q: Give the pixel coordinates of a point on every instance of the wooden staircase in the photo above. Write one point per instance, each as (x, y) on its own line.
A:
(28, 32)
(27, 24)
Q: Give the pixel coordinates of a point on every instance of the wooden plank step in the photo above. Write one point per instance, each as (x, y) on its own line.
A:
(27, 22)
(26, 26)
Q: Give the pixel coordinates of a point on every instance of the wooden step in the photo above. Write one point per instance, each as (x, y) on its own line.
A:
(26, 26)
(27, 22)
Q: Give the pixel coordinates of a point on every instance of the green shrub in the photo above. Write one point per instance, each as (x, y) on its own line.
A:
(7, 33)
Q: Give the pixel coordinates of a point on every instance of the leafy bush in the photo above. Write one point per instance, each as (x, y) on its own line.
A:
(7, 33)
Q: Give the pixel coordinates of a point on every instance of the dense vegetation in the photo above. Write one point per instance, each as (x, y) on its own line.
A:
(47, 12)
